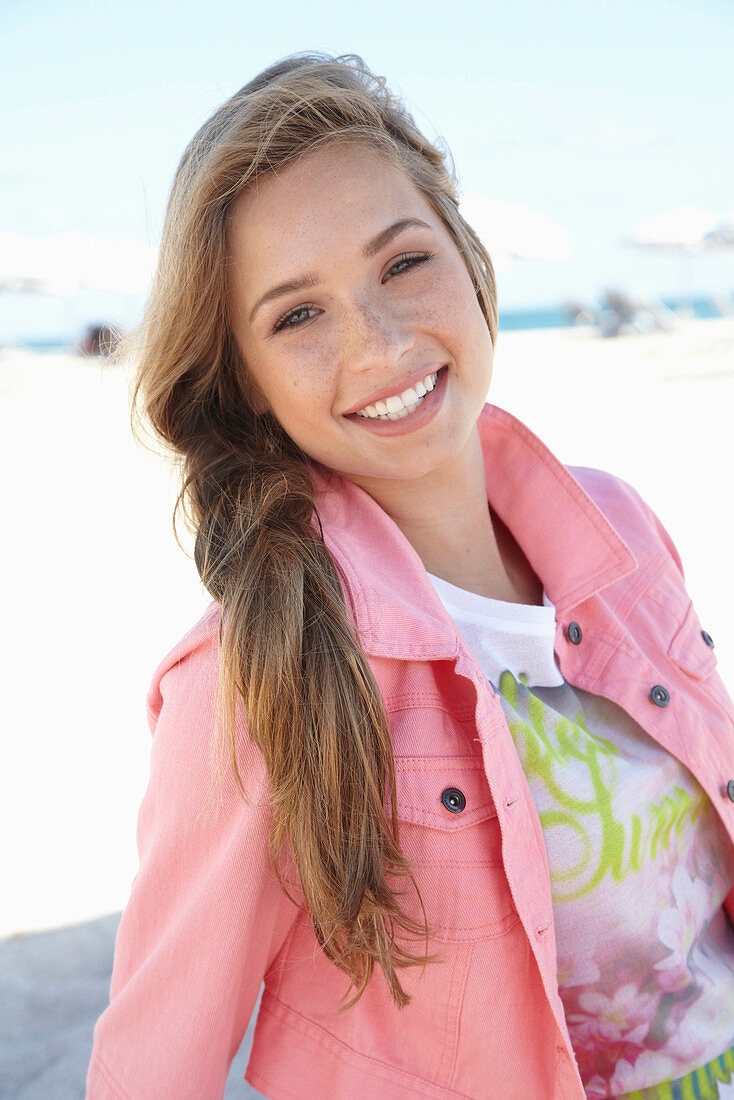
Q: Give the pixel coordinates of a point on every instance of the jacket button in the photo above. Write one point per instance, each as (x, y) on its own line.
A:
(707, 638)
(454, 800)
(660, 696)
(730, 789)
(574, 633)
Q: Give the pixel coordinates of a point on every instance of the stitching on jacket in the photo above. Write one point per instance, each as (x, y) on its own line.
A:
(440, 1074)
(291, 1017)
(109, 1080)
(623, 489)
(452, 864)
(491, 930)
(459, 1014)
(447, 1053)
(437, 763)
(644, 581)
(436, 820)
(613, 645)
(430, 700)
(540, 450)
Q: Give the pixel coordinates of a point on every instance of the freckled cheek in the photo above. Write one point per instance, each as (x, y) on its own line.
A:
(309, 382)
(450, 310)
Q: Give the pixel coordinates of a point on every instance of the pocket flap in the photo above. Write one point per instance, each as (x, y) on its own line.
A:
(689, 651)
(421, 782)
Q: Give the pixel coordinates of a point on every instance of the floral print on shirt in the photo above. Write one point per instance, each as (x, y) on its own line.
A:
(640, 865)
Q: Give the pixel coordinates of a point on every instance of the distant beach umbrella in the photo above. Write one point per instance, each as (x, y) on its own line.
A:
(512, 231)
(66, 263)
(720, 236)
(686, 229)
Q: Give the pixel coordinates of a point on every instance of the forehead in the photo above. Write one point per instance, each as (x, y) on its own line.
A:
(344, 190)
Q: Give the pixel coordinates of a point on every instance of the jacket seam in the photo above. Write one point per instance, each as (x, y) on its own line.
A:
(648, 574)
(109, 1080)
(291, 1017)
(473, 932)
(430, 700)
(474, 863)
(438, 763)
(433, 820)
(594, 669)
(459, 1014)
(444, 1075)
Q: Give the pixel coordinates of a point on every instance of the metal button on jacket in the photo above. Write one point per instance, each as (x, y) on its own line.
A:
(707, 638)
(730, 789)
(574, 633)
(454, 800)
(660, 696)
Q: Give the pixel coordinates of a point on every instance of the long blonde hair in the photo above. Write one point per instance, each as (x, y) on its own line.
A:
(311, 701)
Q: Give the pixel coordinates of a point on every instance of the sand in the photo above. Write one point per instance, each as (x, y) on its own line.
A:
(97, 592)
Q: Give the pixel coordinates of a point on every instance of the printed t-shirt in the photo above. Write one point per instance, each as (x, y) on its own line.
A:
(639, 864)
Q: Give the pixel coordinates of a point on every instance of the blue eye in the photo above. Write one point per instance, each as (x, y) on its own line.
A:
(295, 318)
(408, 261)
(290, 320)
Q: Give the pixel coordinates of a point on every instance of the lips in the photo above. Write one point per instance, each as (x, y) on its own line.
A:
(390, 403)
(411, 418)
(395, 408)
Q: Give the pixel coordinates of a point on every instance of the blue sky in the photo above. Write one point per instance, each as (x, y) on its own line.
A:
(599, 115)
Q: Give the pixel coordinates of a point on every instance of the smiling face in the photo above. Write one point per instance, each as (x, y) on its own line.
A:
(356, 317)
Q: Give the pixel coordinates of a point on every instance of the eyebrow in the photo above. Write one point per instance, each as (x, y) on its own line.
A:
(373, 246)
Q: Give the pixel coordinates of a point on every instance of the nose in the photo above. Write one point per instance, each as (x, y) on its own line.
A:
(374, 336)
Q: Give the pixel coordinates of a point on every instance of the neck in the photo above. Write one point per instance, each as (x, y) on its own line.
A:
(447, 520)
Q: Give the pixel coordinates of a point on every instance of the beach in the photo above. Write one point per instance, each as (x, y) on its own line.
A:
(97, 592)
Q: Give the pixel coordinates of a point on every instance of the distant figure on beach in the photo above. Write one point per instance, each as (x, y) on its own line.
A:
(99, 340)
(579, 314)
(620, 313)
(446, 764)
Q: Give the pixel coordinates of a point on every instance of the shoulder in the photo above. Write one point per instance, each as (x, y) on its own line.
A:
(189, 669)
(183, 707)
(630, 515)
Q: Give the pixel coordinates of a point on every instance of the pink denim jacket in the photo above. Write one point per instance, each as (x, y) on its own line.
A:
(206, 922)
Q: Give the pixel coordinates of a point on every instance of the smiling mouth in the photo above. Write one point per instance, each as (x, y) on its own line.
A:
(402, 404)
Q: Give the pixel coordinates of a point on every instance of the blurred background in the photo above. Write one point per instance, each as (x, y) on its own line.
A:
(576, 128)
(592, 144)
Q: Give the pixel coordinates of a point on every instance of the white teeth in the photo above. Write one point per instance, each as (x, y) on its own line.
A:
(400, 405)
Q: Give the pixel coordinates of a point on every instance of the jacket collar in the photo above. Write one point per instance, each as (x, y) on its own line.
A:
(570, 544)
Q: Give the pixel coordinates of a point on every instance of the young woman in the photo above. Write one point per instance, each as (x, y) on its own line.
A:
(446, 763)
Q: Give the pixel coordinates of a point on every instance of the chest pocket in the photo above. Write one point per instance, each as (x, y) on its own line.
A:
(667, 615)
(450, 833)
(689, 650)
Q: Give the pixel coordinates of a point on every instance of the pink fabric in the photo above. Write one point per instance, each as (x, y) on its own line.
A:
(206, 921)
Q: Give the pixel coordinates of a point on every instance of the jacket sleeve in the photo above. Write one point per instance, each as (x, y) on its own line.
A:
(206, 916)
